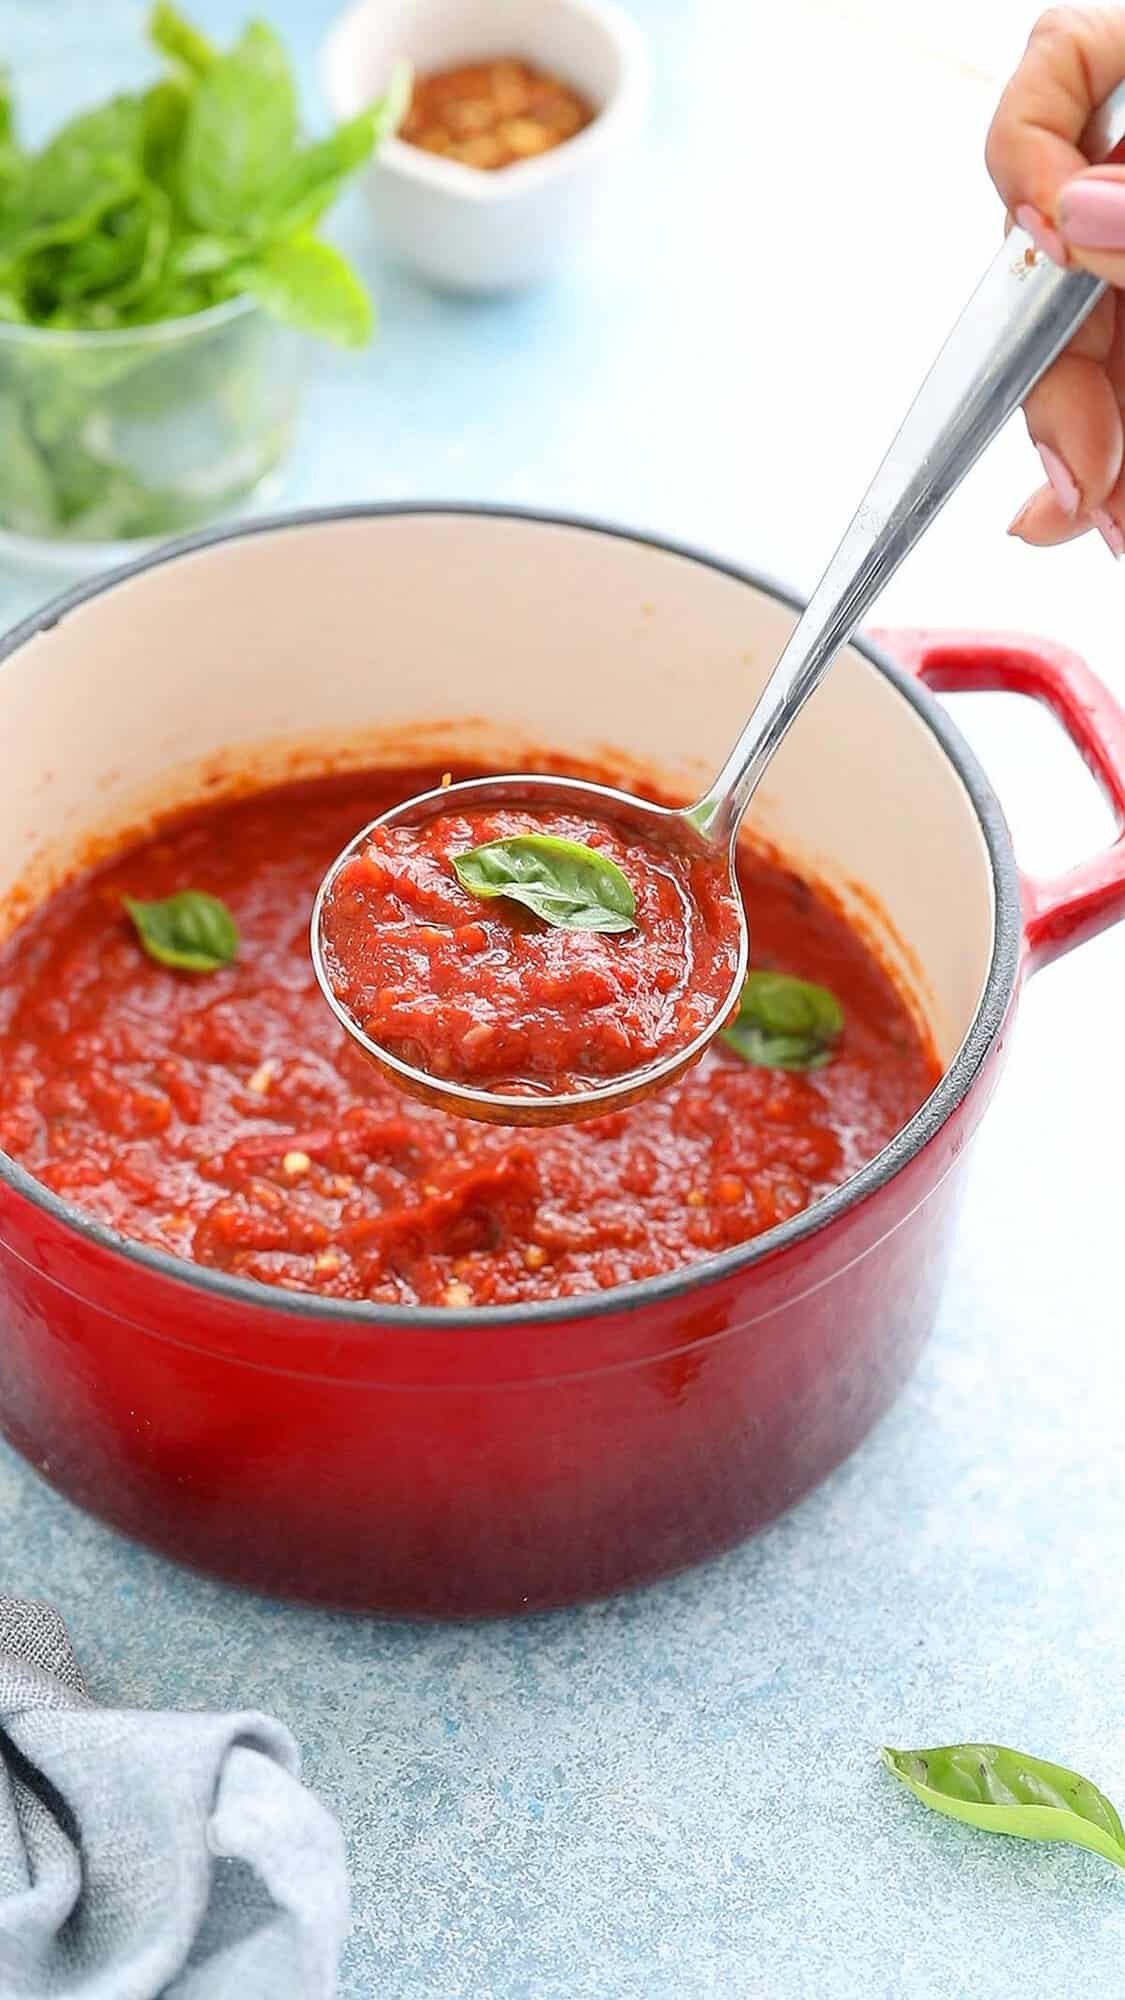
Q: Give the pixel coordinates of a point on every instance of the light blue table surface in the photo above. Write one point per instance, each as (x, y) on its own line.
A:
(677, 1794)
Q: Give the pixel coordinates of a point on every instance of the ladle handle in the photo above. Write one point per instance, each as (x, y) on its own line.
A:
(1021, 316)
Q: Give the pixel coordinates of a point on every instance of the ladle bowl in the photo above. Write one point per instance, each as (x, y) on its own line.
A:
(650, 825)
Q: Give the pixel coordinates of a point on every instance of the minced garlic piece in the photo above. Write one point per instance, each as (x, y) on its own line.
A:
(294, 1164)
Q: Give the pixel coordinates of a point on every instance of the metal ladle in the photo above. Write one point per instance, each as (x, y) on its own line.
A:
(1021, 316)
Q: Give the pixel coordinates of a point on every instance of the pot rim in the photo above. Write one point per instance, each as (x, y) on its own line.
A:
(365, 1317)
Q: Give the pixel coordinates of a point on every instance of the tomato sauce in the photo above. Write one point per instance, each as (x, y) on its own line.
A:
(227, 1118)
(484, 992)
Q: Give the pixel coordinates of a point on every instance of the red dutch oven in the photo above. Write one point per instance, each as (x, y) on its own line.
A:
(455, 1463)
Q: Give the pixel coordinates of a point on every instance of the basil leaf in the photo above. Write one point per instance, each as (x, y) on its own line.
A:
(241, 129)
(92, 164)
(113, 257)
(192, 931)
(784, 1023)
(11, 158)
(316, 173)
(569, 886)
(90, 146)
(1004, 1791)
(201, 256)
(164, 110)
(7, 114)
(309, 286)
(175, 38)
(29, 494)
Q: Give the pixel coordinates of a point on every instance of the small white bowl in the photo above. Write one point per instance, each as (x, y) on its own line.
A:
(464, 228)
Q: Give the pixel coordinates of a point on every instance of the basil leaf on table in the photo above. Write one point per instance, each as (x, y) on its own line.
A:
(192, 931)
(784, 1023)
(1004, 1791)
(571, 887)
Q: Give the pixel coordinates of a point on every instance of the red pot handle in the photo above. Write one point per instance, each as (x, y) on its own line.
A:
(1064, 912)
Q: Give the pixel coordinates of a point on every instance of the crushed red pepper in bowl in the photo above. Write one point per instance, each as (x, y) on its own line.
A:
(492, 114)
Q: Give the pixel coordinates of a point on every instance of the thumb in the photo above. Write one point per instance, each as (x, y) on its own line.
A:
(1090, 219)
(1044, 130)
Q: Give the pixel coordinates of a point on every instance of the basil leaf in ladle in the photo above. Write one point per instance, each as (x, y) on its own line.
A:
(571, 887)
(784, 1023)
(192, 931)
(1004, 1791)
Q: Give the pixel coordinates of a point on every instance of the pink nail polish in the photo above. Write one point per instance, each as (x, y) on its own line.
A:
(1041, 233)
(1109, 531)
(1092, 213)
(1063, 484)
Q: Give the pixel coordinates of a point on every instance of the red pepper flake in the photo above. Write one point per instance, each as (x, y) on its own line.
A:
(491, 114)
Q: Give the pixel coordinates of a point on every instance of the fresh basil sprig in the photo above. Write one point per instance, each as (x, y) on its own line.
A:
(784, 1023)
(152, 207)
(571, 887)
(192, 931)
(1004, 1791)
(163, 202)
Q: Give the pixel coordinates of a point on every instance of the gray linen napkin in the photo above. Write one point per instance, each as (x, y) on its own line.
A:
(149, 1855)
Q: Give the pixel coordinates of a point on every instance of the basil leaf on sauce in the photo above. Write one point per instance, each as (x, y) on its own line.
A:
(192, 931)
(1004, 1791)
(569, 886)
(784, 1023)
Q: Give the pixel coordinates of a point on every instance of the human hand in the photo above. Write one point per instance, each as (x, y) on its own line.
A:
(1076, 215)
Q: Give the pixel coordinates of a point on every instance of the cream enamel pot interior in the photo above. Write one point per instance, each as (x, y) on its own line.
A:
(449, 1463)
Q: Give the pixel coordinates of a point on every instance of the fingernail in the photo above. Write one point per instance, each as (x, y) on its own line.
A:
(1063, 484)
(1092, 213)
(1041, 233)
(1016, 522)
(1109, 531)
